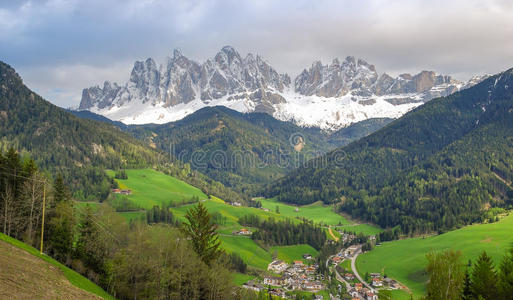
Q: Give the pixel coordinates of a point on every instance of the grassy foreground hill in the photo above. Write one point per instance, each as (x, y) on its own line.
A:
(29, 275)
(405, 260)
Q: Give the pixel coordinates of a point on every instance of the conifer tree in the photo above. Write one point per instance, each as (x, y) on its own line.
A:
(202, 233)
(484, 278)
(90, 247)
(467, 285)
(61, 222)
(505, 284)
(60, 190)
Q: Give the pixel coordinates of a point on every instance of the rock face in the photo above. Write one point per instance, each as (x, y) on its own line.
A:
(358, 77)
(337, 79)
(181, 80)
(329, 96)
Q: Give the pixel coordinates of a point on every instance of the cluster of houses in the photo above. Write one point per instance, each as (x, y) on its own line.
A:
(235, 203)
(346, 237)
(295, 276)
(242, 231)
(122, 192)
(344, 254)
(358, 291)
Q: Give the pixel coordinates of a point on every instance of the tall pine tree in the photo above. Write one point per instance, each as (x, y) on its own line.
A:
(505, 285)
(467, 287)
(61, 222)
(202, 233)
(484, 278)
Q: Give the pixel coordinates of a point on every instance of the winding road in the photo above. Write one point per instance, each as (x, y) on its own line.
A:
(353, 267)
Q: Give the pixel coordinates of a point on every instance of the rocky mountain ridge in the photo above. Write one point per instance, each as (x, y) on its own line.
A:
(327, 96)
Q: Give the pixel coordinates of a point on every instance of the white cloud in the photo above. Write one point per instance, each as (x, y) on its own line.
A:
(81, 43)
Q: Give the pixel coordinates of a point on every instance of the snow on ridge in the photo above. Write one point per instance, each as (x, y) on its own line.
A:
(329, 114)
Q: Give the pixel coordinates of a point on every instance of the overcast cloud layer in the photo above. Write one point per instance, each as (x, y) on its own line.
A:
(60, 47)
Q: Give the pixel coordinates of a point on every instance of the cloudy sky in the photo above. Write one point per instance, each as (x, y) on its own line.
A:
(61, 46)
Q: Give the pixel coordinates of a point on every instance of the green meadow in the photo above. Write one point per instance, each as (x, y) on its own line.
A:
(240, 279)
(293, 252)
(150, 187)
(319, 213)
(316, 212)
(405, 260)
(73, 277)
(133, 215)
(251, 253)
(366, 229)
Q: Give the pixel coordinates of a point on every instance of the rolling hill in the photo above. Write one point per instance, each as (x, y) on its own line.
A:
(440, 166)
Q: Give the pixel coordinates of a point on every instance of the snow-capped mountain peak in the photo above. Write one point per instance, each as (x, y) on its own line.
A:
(328, 96)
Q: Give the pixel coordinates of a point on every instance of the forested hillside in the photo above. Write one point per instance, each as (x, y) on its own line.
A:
(439, 166)
(77, 148)
(240, 150)
(245, 151)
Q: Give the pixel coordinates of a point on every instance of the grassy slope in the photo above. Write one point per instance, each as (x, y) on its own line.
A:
(133, 215)
(294, 252)
(73, 277)
(405, 260)
(360, 228)
(150, 187)
(319, 213)
(251, 253)
(316, 212)
(240, 279)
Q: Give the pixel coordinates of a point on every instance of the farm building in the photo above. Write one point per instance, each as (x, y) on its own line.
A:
(307, 256)
(243, 231)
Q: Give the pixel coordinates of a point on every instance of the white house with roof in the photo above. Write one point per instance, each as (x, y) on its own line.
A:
(277, 266)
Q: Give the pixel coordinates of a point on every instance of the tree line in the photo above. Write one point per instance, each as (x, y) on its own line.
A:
(273, 232)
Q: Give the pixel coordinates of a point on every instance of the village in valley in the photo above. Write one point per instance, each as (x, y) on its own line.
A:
(297, 276)
(284, 278)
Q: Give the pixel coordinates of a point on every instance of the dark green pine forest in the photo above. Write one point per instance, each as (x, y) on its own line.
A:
(436, 168)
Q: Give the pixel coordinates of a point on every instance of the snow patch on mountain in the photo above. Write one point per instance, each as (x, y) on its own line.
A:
(333, 113)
